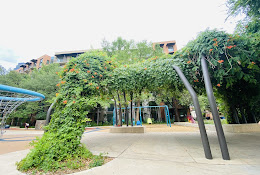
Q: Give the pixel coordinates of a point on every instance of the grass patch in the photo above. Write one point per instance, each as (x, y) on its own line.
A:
(72, 165)
(223, 121)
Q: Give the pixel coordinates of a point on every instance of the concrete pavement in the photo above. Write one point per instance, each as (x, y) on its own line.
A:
(173, 153)
(163, 153)
(16, 140)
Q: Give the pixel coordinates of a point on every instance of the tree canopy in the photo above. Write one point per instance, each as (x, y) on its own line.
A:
(94, 78)
(43, 81)
(126, 67)
(249, 7)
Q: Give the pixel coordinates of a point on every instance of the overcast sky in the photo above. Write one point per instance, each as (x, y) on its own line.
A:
(32, 28)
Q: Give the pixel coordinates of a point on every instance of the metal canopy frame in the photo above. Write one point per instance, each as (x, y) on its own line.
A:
(11, 98)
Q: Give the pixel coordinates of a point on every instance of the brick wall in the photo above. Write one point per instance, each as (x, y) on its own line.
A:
(43, 60)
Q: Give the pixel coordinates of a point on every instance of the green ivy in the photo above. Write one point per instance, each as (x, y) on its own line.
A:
(94, 79)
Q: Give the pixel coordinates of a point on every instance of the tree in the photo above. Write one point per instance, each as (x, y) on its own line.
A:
(81, 89)
(94, 78)
(13, 78)
(251, 23)
(43, 81)
(2, 70)
(234, 67)
(249, 7)
(128, 52)
(250, 33)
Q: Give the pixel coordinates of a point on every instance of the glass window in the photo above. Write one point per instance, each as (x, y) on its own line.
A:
(40, 62)
(52, 58)
(60, 60)
(48, 62)
(170, 48)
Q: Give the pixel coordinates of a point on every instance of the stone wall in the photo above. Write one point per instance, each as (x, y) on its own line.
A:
(135, 129)
(234, 128)
(39, 124)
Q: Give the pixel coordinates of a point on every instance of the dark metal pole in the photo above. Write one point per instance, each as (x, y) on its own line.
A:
(203, 133)
(48, 117)
(213, 107)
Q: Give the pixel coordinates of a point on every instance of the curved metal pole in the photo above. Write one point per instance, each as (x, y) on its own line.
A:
(48, 117)
(203, 133)
(213, 107)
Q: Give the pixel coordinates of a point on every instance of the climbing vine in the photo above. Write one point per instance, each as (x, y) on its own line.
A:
(94, 79)
(81, 89)
(233, 62)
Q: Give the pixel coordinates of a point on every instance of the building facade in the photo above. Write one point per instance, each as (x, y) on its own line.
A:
(169, 47)
(35, 64)
(63, 57)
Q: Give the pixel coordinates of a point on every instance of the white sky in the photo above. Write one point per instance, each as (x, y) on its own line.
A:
(32, 28)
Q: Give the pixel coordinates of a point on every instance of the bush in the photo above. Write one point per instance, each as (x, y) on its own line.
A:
(97, 161)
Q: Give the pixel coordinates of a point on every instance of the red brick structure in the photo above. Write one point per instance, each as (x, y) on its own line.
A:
(169, 47)
(34, 64)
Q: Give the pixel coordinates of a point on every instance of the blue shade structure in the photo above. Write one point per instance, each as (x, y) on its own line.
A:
(11, 98)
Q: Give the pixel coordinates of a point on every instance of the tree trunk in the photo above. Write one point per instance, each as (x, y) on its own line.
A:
(243, 114)
(177, 114)
(235, 115)
(97, 115)
(131, 96)
(162, 110)
(115, 111)
(120, 110)
(102, 114)
(126, 110)
(12, 122)
(253, 116)
(159, 115)
(137, 111)
(93, 117)
(17, 122)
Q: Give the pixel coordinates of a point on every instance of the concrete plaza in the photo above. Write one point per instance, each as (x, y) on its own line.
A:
(162, 153)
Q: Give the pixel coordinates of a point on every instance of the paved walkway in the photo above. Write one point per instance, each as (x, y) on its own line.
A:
(173, 153)
(162, 153)
(17, 139)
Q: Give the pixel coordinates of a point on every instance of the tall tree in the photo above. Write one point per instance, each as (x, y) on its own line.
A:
(2, 70)
(43, 81)
(251, 8)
